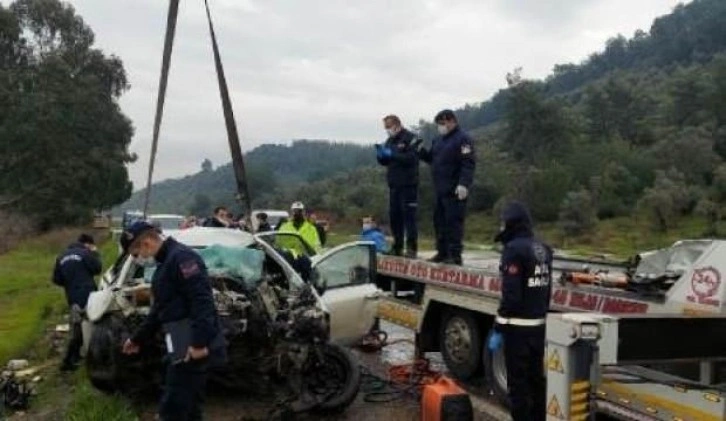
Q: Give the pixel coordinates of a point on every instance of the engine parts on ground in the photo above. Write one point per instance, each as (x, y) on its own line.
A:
(444, 400)
(14, 394)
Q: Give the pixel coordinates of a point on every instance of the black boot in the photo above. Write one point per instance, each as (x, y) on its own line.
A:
(438, 258)
(411, 253)
(456, 260)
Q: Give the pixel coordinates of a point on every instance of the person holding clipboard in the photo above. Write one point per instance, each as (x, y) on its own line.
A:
(184, 309)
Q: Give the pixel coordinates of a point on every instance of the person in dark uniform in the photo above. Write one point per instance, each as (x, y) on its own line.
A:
(526, 269)
(74, 271)
(262, 224)
(398, 154)
(182, 300)
(452, 165)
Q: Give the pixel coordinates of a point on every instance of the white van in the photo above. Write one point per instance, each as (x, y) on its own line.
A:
(273, 217)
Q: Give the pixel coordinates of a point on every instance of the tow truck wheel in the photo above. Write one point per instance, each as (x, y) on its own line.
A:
(496, 371)
(461, 344)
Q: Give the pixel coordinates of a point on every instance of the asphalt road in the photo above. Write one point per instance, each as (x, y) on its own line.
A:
(238, 407)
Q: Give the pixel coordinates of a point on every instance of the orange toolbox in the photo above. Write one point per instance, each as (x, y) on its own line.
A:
(444, 400)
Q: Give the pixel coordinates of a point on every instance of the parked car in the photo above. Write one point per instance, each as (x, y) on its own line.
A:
(278, 325)
(169, 224)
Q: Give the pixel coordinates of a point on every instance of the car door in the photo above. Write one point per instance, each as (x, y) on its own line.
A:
(348, 273)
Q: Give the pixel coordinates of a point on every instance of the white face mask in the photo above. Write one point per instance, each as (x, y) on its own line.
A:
(145, 262)
(442, 129)
(366, 227)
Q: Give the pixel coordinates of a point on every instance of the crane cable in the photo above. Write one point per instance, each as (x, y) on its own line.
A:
(232, 134)
(165, 63)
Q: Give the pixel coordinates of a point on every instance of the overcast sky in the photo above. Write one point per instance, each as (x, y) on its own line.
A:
(330, 69)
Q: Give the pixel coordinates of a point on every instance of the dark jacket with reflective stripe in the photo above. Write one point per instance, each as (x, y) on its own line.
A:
(452, 161)
(403, 163)
(74, 271)
(526, 268)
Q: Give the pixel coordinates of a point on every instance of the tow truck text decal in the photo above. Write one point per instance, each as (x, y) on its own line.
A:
(475, 279)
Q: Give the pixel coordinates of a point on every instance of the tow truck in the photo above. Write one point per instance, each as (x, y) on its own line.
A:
(452, 309)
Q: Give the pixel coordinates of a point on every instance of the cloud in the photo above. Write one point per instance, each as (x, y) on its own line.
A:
(332, 68)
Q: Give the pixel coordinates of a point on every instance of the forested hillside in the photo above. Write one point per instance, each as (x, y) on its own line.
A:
(272, 170)
(636, 130)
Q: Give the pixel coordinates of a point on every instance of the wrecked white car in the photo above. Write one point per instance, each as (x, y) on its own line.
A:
(285, 313)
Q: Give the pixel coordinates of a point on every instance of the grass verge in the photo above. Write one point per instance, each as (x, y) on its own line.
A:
(30, 305)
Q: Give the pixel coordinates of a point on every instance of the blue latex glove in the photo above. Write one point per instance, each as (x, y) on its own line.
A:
(379, 151)
(387, 152)
(495, 341)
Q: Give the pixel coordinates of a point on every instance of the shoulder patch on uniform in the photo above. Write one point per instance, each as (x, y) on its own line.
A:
(466, 149)
(189, 268)
(512, 269)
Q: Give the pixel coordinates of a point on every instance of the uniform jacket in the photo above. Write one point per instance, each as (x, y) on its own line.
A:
(74, 271)
(452, 161)
(526, 268)
(307, 231)
(181, 290)
(403, 163)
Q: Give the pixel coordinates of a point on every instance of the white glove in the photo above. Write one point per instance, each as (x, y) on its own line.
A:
(461, 192)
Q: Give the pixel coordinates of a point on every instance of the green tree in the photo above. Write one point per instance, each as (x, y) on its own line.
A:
(202, 205)
(577, 213)
(668, 199)
(64, 139)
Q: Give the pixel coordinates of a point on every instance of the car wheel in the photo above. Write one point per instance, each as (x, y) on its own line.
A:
(496, 371)
(461, 344)
(103, 356)
(337, 375)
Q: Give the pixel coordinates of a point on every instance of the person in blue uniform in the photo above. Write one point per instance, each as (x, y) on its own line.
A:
(74, 271)
(371, 232)
(452, 166)
(182, 301)
(526, 270)
(398, 155)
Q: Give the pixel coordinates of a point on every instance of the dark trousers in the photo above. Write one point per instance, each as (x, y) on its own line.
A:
(524, 354)
(75, 341)
(449, 215)
(183, 395)
(402, 208)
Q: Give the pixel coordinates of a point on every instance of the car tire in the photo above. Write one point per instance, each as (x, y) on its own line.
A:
(496, 371)
(103, 356)
(461, 344)
(347, 368)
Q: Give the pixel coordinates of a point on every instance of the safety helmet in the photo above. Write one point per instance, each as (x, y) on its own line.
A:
(297, 205)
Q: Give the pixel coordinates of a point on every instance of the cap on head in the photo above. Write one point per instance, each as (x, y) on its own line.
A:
(445, 115)
(297, 206)
(86, 239)
(133, 232)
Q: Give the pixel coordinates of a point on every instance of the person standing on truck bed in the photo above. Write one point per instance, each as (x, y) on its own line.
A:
(184, 308)
(452, 165)
(526, 270)
(398, 154)
(74, 271)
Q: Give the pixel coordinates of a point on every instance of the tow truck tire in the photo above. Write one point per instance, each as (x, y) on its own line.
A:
(347, 368)
(461, 344)
(103, 356)
(496, 372)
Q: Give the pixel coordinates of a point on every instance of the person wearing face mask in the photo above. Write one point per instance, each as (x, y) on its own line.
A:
(184, 309)
(398, 155)
(452, 166)
(74, 271)
(526, 273)
(299, 224)
(372, 233)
